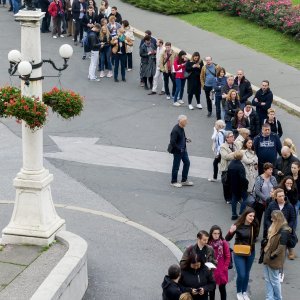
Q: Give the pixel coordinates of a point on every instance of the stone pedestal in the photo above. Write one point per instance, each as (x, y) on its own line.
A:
(34, 219)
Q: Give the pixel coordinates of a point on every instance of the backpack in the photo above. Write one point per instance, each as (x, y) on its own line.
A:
(86, 42)
(292, 239)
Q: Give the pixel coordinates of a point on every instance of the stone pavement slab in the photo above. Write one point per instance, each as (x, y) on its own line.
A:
(284, 79)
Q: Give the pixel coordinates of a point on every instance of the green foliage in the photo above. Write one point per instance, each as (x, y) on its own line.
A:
(7, 93)
(275, 44)
(65, 103)
(173, 7)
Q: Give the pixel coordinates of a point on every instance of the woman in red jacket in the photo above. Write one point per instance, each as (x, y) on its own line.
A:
(57, 13)
(179, 68)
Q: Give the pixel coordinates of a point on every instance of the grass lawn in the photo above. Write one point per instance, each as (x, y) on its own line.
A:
(244, 32)
(295, 2)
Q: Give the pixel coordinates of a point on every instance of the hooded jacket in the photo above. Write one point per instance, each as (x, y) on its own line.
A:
(172, 290)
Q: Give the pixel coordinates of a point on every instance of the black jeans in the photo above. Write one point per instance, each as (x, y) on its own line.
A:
(207, 90)
(177, 158)
(218, 107)
(197, 96)
(129, 61)
(223, 294)
(226, 190)
(259, 211)
(77, 29)
(46, 22)
(216, 166)
(168, 76)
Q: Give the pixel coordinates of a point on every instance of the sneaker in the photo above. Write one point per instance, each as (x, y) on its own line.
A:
(95, 79)
(176, 104)
(180, 101)
(212, 180)
(109, 74)
(191, 107)
(102, 74)
(54, 36)
(152, 93)
(129, 70)
(239, 296)
(281, 277)
(116, 80)
(62, 36)
(246, 297)
(176, 184)
(209, 114)
(168, 97)
(124, 80)
(161, 93)
(199, 106)
(187, 183)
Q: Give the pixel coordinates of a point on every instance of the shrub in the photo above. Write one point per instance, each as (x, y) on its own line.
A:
(7, 93)
(172, 7)
(278, 14)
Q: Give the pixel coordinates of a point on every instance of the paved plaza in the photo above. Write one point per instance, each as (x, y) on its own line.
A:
(112, 160)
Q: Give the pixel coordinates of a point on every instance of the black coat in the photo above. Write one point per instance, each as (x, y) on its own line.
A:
(177, 135)
(193, 81)
(172, 290)
(230, 109)
(245, 89)
(87, 19)
(76, 9)
(237, 177)
(266, 97)
(254, 124)
(275, 126)
(44, 4)
(202, 277)
(245, 124)
(225, 89)
(284, 165)
(118, 17)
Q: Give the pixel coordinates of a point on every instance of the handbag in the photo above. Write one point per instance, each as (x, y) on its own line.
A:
(243, 250)
(170, 148)
(292, 240)
(186, 74)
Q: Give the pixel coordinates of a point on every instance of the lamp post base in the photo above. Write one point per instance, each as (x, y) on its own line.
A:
(34, 219)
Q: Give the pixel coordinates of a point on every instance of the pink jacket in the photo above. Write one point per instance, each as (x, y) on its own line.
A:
(179, 69)
(221, 272)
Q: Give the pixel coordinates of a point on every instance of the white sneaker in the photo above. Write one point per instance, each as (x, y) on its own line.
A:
(95, 79)
(187, 183)
(62, 36)
(212, 180)
(176, 184)
(199, 106)
(245, 296)
(168, 97)
(176, 104)
(180, 101)
(54, 36)
(239, 296)
(191, 107)
(281, 277)
(109, 74)
(129, 70)
(102, 74)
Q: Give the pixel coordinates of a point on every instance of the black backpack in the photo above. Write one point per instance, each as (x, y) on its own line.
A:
(292, 239)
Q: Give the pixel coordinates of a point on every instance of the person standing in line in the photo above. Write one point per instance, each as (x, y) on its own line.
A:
(263, 186)
(289, 186)
(158, 74)
(266, 146)
(273, 122)
(229, 85)
(56, 11)
(238, 183)
(295, 171)
(129, 35)
(227, 150)
(44, 5)
(243, 134)
(289, 143)
(245, 231)
(165, 64)
(238, 122)
(249, 161)
(193, 68)
(93, 39)
(274, 254)
(105, 52)
(244, 87)
(263, 100)
(222, 256)
(207, 78)
(232, 104)
(252, 118)
(179, 68)
(218, 138)
(220, 82)
(177, 147)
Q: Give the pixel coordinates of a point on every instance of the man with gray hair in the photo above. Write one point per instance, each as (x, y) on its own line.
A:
(177, 147)
(283, 163)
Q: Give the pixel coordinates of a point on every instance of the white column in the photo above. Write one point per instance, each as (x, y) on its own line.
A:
(34, 219)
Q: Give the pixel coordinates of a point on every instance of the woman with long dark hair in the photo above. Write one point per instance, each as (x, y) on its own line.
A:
(295, 171)
(290, 189)
(220, 81)
(179, 68)
(245, 230)
(231, 105)
(222, 256)
(193, 68)
(239, 121)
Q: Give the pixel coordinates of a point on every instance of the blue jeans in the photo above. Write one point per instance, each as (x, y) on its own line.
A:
(297, 207)
(16, 6)
(105, 55)
(122, 59)
(272, 283)
(177, 158)
(243, 266)
(180, 83)
(234, 201)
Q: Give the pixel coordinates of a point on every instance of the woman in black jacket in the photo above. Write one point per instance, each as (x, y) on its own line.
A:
(231, 105)
(193, 68)
(290, 189)
(239, 121)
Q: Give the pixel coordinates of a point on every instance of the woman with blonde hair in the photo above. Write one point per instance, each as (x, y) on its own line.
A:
(105, 51)
(289, 143)
(274, 254)
(232, 104)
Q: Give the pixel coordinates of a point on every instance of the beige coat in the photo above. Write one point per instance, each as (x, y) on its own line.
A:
(162, 66)
(226, 156)
(239, 142)
(249, 161)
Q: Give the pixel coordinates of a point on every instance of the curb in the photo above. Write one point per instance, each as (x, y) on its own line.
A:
(280, 102)
(69, 279)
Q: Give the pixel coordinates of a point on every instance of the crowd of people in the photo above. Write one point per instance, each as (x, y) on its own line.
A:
(257, 169)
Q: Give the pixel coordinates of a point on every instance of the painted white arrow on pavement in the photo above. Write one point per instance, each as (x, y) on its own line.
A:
(85, 150)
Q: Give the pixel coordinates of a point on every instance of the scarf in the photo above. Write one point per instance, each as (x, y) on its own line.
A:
(218, 248)
(247, 114)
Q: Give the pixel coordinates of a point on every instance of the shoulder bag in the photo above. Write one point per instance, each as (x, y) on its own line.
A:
(244, 250)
